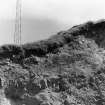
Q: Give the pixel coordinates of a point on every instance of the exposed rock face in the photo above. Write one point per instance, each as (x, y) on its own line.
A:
(66, 69)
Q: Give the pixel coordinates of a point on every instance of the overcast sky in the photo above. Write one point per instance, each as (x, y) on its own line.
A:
(42, 18)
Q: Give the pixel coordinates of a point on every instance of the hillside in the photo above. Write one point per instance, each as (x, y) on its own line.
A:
(66, 69)
(92, 30)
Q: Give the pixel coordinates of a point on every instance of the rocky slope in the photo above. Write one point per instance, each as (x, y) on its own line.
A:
(66, 69)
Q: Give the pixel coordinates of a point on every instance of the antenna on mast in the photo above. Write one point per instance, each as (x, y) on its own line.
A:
(17, 32)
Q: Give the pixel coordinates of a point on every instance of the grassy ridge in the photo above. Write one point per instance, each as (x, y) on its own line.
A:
(93, 30)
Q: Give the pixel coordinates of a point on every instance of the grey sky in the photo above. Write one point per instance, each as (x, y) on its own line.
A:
(42, 18)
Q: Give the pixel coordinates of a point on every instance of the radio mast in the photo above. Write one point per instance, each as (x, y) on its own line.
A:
(17, 32)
